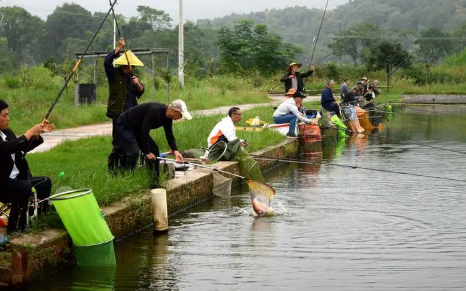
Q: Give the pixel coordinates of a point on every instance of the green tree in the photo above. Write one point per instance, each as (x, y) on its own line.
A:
(356, 41)
(157, 19)
(249, 47)
(388, 56)
(67, 21)
(434, 44)
(8, 59)
(22, 31)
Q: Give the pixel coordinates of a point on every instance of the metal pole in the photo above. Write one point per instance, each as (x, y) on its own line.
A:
(168, 84)
(153, 75)
(95, 77)
(114, 33)
(181, 48)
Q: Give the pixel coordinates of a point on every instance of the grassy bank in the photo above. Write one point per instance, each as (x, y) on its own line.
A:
(31, 92)
(84, 162)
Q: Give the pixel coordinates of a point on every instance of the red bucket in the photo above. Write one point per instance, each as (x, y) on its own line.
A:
(310, 131)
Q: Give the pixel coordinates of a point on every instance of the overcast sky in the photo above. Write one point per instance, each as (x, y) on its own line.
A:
(193, 9)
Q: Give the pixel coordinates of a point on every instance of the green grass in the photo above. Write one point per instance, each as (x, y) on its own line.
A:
(31, 92)
(84, 162)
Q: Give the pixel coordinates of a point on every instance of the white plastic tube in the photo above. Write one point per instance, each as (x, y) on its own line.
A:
(159, 206)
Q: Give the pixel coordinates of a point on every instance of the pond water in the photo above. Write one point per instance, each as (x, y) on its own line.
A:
(338, 228)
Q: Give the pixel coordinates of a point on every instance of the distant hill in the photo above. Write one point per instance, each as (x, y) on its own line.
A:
(396, 17)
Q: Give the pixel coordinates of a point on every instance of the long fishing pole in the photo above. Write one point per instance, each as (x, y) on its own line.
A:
(77, 64)
(296, 161)
(206, 167)
(318, 33)
(401, 141)
(119, 34)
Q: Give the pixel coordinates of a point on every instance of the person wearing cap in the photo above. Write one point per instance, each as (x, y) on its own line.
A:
(124, 91)
(16, 181)
(328, 101)
(294, 79)
(135, 124)
(288, 112)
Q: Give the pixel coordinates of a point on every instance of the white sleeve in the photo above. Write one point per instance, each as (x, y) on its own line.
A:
(229, 131)
(295, 111)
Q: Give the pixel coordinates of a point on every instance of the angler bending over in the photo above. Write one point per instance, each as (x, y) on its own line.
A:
(135, 124)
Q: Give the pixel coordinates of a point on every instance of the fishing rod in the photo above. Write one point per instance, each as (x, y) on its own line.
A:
(296, 161)
(205, 167)
(318, 33)
(77, 64)
(401, 141)
(119, 34)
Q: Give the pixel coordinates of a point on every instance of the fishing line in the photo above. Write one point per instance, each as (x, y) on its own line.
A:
(403, 142)
(296, 161)
(318, 34)
(78, 63)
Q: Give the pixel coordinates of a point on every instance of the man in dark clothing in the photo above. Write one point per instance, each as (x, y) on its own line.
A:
(124, 90)
(344, 88)
(352, 97)
(328, 101)
(135, 125)
(16, 181)
(294, 79)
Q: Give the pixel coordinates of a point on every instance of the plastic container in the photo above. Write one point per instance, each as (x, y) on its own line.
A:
(3, 237)
(310, 132)
(81, 216)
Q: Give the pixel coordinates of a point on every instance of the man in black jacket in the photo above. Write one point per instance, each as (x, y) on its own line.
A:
(135, 126)
(124, 91)
(294, 79)
(16, 181)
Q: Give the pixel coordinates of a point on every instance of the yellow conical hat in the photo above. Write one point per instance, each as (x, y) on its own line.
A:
(133, 60)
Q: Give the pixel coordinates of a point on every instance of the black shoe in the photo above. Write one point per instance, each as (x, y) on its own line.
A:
(291, 135)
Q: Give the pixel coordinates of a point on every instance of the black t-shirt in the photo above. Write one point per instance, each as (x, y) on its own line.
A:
(142, 118)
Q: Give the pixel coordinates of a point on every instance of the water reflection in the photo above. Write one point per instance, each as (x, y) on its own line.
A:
(346, 229)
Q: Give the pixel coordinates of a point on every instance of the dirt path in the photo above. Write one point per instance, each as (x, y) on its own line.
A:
(55, 138)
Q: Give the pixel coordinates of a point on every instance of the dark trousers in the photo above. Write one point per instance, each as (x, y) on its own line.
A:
(332, 107)
(18, 192)
(131, 145)
(116, 159)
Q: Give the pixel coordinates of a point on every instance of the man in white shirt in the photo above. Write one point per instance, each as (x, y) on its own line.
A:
(16, 181)
(225, 129)
(288, 112)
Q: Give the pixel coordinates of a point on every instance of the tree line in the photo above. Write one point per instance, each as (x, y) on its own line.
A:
(356, 33)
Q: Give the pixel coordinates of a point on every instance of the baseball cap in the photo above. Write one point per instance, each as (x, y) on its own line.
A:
(180, 106)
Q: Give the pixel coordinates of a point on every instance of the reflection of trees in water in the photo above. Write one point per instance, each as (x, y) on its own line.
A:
(143, 259)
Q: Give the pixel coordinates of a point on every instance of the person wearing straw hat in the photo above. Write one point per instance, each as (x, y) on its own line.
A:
(294, 79)
(124, 91)
(288, 112)
(16, 181)
(134, 126)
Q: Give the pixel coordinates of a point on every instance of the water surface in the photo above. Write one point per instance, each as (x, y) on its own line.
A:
(339, 228)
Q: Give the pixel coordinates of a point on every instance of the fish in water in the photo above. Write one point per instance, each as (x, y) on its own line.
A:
(262, 209)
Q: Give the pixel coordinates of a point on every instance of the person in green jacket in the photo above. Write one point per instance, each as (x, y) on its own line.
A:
(124, 91)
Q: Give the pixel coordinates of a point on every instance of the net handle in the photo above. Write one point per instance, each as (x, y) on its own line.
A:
(204, 166)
